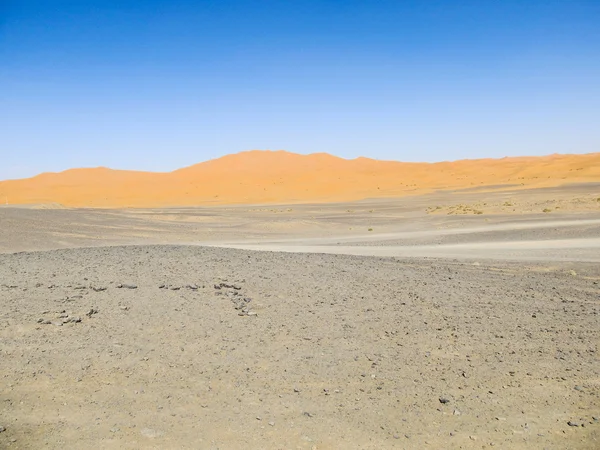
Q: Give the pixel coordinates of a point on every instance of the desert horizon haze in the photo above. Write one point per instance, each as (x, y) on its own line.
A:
(264, 176)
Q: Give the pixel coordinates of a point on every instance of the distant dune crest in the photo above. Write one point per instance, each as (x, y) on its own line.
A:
(261, 176)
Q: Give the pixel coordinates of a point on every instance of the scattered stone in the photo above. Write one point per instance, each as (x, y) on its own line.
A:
(2, 429)
(307, 414)
(126, 286)
(124, 308)
(91, 312)
(227, 286)
(571, 423)
(444, 400)
(99, 289)
(456, 412)
(578, 388)
(193, 287)
(272, 424)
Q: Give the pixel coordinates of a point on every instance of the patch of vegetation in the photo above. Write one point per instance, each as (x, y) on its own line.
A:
(508, 204)
(547, 210)
(370, 229)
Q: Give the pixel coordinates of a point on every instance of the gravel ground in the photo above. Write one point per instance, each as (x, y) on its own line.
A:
(192, 347)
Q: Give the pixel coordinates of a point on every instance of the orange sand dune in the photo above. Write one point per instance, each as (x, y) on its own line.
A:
(282, 177)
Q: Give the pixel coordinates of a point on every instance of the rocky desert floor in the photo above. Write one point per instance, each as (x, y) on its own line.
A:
(453, 320)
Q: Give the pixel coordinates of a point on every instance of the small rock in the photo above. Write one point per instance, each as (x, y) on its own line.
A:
(124, 308)
(578, 388)
(307, 414)
(573, 424)
(99, 289)
(2, 429)
(456, 412)
(126, 286)
(272, 424)
(91, 312)
(444, 400)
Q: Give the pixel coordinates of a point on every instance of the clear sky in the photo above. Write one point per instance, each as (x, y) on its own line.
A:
(157, 85)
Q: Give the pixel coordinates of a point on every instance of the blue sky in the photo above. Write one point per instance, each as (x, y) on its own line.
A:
(157, 85)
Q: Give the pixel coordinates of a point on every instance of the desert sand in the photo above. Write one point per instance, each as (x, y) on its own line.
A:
(283, 177)
(456, 319)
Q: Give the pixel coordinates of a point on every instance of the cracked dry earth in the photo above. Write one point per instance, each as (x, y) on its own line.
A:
(172, 347)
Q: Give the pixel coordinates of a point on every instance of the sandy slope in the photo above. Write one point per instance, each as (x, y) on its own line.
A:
(271, 177)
